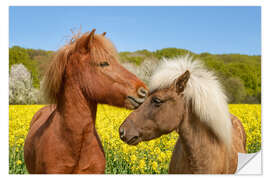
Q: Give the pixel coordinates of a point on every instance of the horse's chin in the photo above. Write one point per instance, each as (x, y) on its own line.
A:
(131, 103)
(130, 106)
(134, 142)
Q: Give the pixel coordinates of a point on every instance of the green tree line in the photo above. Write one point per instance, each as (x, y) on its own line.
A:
(239, 74)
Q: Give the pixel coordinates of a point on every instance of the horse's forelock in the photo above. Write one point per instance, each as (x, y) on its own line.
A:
(105, 47)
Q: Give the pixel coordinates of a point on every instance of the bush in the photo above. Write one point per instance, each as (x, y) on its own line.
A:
(144, 71)
(18, 55)
(21, 90)
(235, 89)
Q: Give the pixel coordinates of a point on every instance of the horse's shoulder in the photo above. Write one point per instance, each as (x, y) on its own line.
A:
(41, 120)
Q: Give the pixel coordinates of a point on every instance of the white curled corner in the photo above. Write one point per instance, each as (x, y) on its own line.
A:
(249, 163)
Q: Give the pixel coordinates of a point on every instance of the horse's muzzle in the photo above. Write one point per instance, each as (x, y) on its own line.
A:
(141, 96)
(129, 134)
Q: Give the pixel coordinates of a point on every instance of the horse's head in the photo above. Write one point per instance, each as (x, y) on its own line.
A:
(161, 113)
(181, 88)
(90, 64)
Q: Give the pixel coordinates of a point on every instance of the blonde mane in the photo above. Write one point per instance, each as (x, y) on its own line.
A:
(203, 90)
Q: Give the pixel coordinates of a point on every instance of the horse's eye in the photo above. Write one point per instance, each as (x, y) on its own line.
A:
(103, 64)
(156, 101)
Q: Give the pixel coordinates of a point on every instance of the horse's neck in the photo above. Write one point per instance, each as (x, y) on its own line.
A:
(77, 114)
(197, 141)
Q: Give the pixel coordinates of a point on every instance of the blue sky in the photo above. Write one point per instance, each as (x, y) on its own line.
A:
(216, 30)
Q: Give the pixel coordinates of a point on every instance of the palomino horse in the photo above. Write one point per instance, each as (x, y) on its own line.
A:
(62, 137)
(189, 99)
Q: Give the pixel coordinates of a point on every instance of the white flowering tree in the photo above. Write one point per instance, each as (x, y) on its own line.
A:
(21, 90)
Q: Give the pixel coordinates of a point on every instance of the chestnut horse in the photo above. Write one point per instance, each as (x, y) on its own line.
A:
(62, 137)
(189, 99)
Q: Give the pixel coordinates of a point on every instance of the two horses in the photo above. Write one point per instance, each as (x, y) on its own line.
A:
(62, 137)
(186, 97)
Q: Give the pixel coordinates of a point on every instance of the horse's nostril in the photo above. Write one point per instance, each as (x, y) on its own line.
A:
(142, 92)
(122, 132)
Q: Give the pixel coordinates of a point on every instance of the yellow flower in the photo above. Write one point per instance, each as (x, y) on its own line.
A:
(133, 158)
(154, 166)
(19, 162)
(125, 149)
(142, 164)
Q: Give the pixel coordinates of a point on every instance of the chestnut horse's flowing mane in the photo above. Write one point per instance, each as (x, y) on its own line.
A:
(53, 79)
(203, 90)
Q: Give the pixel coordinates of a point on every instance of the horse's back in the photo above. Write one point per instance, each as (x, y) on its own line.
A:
(38, 121)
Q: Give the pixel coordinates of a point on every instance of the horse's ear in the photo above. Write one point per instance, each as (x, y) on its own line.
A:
(85, 42)
(103, 34)
(91, 38)
(181, 82)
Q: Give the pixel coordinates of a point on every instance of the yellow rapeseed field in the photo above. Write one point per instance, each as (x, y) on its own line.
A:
(147, 157)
